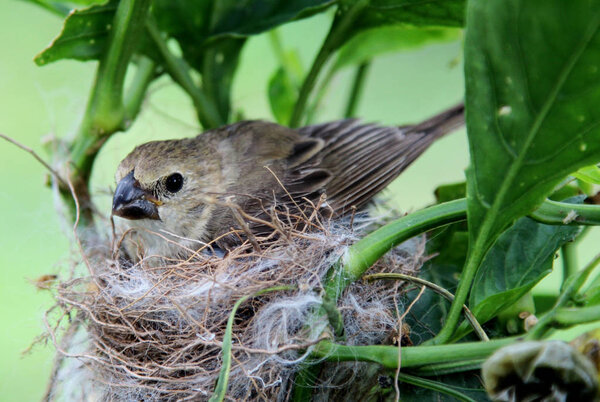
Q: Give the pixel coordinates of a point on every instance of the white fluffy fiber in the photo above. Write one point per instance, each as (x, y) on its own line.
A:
(154, 333)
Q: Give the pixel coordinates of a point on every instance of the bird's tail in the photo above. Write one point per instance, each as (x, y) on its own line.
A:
(359, 159)
(442, 123)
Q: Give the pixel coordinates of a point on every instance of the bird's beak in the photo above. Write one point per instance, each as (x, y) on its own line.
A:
(132, 202)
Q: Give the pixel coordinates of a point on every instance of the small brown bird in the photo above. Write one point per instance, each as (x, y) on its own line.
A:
(175, 192)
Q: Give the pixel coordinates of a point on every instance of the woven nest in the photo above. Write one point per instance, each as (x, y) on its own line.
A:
(153, 330)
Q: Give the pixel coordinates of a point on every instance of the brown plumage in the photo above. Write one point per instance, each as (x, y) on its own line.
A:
(179, 188)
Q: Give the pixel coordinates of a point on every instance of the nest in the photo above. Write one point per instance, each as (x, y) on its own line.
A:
(153, 330)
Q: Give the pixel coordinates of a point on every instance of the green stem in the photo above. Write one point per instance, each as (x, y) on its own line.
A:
(105, 111)
(448, 368)
(368, 250)
(557, 315)
(433, 385)
(474, 258)
(275, 40)
(568, 317)
(569, 260)
(365, 253)
(137, 90)
(304, 381)
(339, 32)
(575, 282)
(207, 112)
(410, 356)
(361, 255)
(221, 386)
(357, 87)
(562, 213)
(318, 98)
(549, 211)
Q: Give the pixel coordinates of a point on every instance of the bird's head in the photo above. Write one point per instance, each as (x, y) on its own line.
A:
(164, 189)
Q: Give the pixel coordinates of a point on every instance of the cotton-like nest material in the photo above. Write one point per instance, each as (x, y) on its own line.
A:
(153, 330)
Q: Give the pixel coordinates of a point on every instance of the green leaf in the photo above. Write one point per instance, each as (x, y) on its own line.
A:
(83, 36)
(285, 82)
(532, 91)
(449, 192)
(415, 12)
(465, 386)
(282, 95)
(517, 261)
(208, 19)
(63, 7)
(588, 174)
(386, 39)
(592, 294)
(251, 17)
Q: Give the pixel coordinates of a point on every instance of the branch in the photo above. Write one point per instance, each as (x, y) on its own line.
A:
(105, 113)
(208, 115)
(25, 148)
(338, 34)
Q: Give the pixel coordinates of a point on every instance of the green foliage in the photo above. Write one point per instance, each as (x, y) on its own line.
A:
(532, 87)
(390, 38)
(517, 261)
(416, 12)
(83, 36)
(524, 137)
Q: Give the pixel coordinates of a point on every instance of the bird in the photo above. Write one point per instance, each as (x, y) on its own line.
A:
(179, 195)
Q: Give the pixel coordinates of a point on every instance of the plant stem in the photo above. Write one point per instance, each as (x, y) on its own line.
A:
(305, 380)
(361, 255)
(207, 112)
(562, 213)
(357, 87)
(137, 90)
(221, 386)
(434, 385)
(568, 317)
(439, 290)
(318, 98)
(105, 111)
(448, 368)
(338, 34)
(277, 47)
(550, 212)
(575, 282)
(365, 253)
(569, 260)
(411, 356)
(557, 316)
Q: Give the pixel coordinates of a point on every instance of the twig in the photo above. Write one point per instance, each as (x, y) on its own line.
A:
(37, 157)
(58, 359)
(244, 225)
(400, 319)
(436, 288)
(286, 192)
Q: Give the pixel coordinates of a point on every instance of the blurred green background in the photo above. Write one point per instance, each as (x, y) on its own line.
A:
(37, 102)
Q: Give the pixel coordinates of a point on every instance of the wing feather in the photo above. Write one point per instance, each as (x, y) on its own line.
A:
(360, 159)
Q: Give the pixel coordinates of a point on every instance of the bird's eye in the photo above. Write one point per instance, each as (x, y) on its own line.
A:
(174, 183)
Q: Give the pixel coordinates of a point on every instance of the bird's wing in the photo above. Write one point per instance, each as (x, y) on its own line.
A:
(356, 160)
